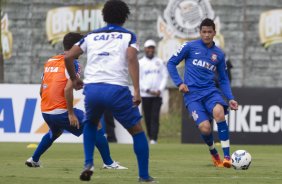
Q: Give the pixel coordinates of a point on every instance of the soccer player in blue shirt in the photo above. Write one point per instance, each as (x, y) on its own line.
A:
(111, 57)
(203, 100)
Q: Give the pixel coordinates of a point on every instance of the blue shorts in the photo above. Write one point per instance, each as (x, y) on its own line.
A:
(115, 98)
(202, 109)
(60, 122)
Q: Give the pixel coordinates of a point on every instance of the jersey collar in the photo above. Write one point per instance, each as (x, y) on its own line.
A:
(113, 26)
(213, 44)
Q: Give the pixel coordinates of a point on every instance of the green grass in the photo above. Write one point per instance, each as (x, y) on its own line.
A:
(170, 164)
(170, 128)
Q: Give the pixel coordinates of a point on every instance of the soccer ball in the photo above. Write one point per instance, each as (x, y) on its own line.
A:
(241, 160)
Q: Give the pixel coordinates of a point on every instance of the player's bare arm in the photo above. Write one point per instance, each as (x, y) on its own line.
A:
(133, 68)
(183, 88)
(70, 56)
(69, 99)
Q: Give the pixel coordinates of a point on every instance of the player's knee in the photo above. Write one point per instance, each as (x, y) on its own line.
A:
(218, 113)
(219, 117)
(55, 135)
(205, 131)
(205, 128)
(135, 129)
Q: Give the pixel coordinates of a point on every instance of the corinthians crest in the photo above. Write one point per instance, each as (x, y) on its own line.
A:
(181, 22)
(185, 16)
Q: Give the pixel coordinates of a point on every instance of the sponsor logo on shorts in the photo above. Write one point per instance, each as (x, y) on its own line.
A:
(195, 115)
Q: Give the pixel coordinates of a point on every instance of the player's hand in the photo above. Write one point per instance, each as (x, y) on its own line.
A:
(77, 84)
(183, 88)
(233, 105)
(157, 93)
(136, 99)
(73, 121)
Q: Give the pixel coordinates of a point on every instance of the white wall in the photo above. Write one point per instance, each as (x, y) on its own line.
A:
(21, 119)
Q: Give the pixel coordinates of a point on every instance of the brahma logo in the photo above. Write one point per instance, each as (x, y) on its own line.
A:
(81, 19)
(181, 22)
(270, 27)
(6, 37)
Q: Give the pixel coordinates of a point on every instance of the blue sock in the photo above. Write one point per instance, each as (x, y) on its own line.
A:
(210, 142)
(223, 135)
(141, 149)
(89, 140)
(103, 147)
(44, 144)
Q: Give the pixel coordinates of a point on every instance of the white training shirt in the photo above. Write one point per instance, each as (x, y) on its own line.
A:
(106, 55)
(153, 75)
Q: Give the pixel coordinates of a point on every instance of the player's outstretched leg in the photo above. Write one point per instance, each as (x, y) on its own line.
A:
(103, 147)
(223, 134)
(45, 143)
(89, 140)
(215, 156)
(206, 134)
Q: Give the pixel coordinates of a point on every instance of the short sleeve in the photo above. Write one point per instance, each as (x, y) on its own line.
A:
(77, 69)
(133, 42)
(82, 44)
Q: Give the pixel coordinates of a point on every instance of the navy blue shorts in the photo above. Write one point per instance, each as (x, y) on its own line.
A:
(202, 109)
(60, 122)
(115, 98)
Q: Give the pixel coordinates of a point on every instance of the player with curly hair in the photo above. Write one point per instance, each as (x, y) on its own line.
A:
(111, 57)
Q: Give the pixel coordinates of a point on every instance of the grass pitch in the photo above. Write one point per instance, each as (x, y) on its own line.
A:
(170, 163)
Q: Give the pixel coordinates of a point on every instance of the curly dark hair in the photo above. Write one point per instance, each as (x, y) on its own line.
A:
(207, 22)
(70, 39)
(115, 12)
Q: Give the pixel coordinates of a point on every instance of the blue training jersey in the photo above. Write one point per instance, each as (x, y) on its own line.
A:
(201, 65)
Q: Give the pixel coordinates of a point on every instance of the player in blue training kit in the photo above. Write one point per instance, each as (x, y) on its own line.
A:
(203, 100)
(57, 107)
(111, 57)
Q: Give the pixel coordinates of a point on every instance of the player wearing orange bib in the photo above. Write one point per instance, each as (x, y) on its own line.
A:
(57, 107)
(53, 84)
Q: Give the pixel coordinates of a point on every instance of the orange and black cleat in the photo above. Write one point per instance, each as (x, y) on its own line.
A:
(216, 160)
(227, 162)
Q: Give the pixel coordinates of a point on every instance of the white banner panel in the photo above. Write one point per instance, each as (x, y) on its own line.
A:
(21, 119)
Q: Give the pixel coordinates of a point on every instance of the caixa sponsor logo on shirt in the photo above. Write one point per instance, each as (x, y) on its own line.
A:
(256, 119)
(204, 64)
(107, 36)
